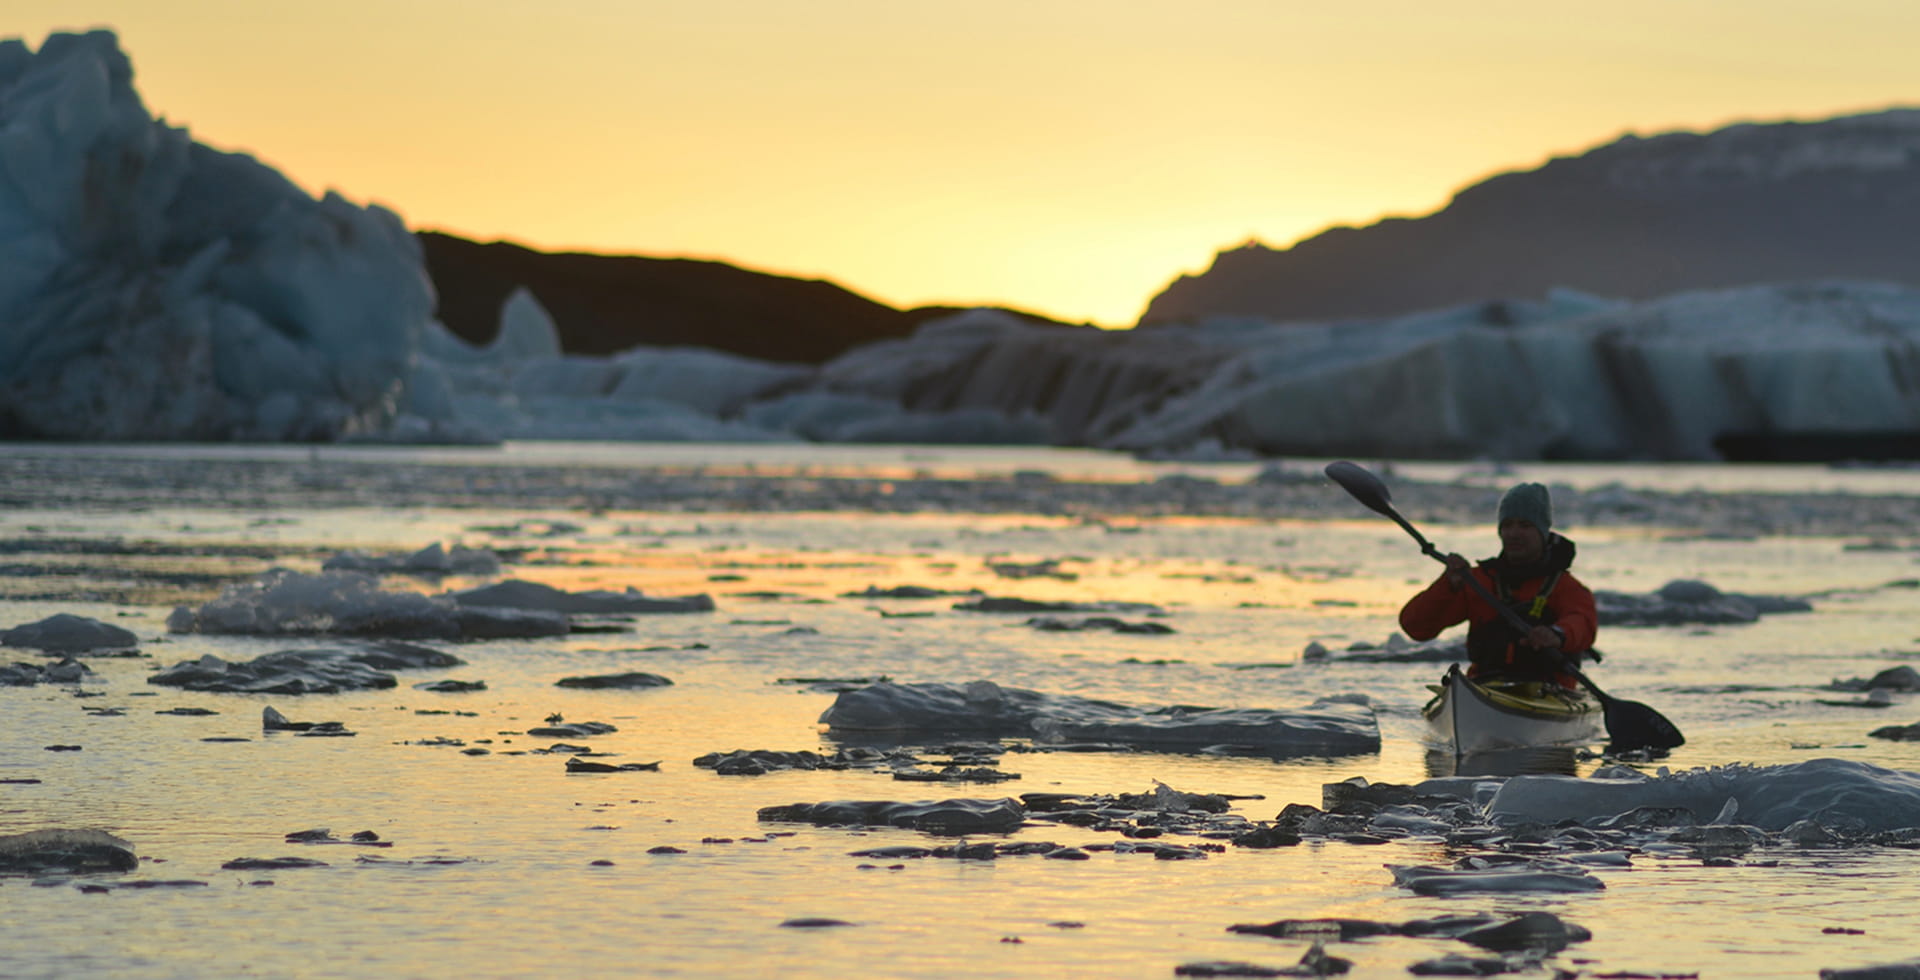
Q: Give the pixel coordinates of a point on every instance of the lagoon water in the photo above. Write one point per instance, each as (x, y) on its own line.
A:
(504, 865)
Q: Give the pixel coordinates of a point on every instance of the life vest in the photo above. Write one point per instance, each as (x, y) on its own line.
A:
(1494, 646)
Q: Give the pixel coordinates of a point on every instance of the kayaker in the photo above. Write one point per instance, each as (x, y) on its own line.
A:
(1531, 576)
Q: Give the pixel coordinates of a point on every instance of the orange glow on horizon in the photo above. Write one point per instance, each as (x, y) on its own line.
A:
(1068, 158)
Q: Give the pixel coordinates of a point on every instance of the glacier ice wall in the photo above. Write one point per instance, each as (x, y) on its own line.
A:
(1571, 376)
(154, 288)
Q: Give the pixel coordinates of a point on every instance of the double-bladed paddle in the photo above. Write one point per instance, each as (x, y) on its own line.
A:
(1630, 724)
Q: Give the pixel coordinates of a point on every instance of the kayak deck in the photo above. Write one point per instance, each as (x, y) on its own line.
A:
(1470, 716)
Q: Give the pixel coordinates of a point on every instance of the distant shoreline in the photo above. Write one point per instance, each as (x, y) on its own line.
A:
(77, 479)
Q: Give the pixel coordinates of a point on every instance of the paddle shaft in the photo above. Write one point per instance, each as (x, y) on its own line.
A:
(1506, 612)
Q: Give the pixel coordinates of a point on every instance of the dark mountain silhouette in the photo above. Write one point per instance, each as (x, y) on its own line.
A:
(1633, 219)
(602, 304)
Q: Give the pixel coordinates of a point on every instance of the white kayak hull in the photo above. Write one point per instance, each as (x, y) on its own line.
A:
(1468, 717)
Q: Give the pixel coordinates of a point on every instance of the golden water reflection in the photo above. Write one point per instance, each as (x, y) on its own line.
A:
(1560, 760)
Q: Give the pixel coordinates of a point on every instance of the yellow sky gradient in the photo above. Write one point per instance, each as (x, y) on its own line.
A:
(1065, 157)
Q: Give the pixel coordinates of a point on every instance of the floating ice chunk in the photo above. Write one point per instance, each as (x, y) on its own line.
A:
(65, 851)
(1856, 794)
(521, 594)
(431, 560)
(1727, 812)
(934, 817)
(287, 603)
(1397, 650)
(312, 670)
(1449, 881)
(67, 633)
(1903, 970)
(1013, 604)
(1327, 726)
(1687, 602)
(634, 680)
(1901, 678)
(67, 671)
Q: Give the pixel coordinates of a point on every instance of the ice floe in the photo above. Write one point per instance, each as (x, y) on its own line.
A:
(1396, 649)
(1453, 881)
(67, 633)
(1902, 970)
(1854, 796)
(575, 764)
(1683, 602)
(634, 680)
(1328, 726)
(522, 594)
(65, 852)
(271, 720)
(1901, 678)
(1014, 604)
(429, 561)
(1059, 624)
(288, 603)
(67, 671)
(313, 670)
(932, 816)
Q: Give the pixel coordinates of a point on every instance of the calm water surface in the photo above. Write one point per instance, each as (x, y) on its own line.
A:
(494, 869)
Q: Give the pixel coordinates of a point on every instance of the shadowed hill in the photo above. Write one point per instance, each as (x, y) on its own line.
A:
(602, 304)
(1634, 219)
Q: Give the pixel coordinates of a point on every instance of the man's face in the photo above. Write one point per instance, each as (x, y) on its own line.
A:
(1520, 541)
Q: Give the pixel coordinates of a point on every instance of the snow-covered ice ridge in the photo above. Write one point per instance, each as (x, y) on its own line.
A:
(152, 288)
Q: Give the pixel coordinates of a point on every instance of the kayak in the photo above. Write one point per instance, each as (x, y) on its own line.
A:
(1470, 716)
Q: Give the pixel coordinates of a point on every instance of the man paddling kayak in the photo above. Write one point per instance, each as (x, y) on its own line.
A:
(1529, 576)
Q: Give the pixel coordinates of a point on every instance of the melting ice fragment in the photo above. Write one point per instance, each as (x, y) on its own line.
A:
(1327, 726)
(288, 603)
(1840, 792)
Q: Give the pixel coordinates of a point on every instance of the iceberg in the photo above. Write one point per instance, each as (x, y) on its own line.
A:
(1571, 377)
(523, 386)
(152, 287)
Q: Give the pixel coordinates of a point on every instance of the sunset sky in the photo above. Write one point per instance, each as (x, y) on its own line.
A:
(1065, 157)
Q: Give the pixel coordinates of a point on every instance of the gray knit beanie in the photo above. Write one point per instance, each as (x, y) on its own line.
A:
(1528, 502)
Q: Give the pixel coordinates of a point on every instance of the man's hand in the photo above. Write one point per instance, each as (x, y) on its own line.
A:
(1458, 568)
(1544, 638)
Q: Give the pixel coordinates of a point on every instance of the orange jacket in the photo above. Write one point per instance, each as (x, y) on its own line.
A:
(1569, 607)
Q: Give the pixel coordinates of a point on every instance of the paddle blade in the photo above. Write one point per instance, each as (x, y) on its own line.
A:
(1632, 725)
(1364, 486)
